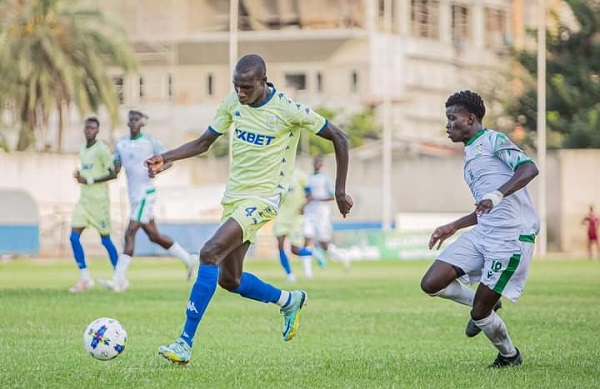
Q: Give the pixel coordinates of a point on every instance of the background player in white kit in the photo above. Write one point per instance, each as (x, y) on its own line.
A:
(130, 153)
(317, 217)
(498, 250)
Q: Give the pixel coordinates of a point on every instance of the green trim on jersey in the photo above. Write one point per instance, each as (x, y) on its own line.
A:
(474, 137)
(141, 210)
(527, 238)
(513, 264)
(522, 162)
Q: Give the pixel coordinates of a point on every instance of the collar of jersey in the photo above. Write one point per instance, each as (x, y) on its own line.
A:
(269, 97)
(474, 137)
(137, 137)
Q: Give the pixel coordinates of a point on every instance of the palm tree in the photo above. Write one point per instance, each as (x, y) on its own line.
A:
(54, 53)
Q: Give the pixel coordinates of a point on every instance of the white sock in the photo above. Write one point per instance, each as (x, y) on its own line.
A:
(307, 265)
(177, 251)
(283, 298)
(338, 256)
(457, 291)
(121, 268)
(494, 328)
(85, 274)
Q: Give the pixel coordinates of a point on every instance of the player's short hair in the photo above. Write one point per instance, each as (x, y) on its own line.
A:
(470, 101)
(93, 119)
(252, 63)
(141, 114)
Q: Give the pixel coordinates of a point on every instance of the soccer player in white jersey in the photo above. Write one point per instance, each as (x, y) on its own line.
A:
(131, 152)
(497, 251)
(93, 207)
(267, 126)
(288, 225)
(318, 230)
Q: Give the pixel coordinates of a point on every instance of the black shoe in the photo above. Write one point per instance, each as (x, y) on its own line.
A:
(472, 329)
(503, 362)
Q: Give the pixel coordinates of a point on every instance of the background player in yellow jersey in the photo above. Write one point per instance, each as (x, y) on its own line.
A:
(288, 225)
(93, 208)
(267, 127)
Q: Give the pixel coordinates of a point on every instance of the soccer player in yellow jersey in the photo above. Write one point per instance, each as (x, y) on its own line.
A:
(266, 125)
(93, 208)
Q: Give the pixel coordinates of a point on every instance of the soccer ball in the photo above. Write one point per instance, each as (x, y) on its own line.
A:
(105, 338)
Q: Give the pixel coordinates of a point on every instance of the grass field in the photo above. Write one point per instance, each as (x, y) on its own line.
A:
(371, 328)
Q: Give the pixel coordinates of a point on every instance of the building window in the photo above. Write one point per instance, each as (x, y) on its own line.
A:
(354, 81)
(495, 28)
(141, 88)
(460, 25)
(209, 85)
(296, 81)
(319, 82)
(118, 82)
(425, 18)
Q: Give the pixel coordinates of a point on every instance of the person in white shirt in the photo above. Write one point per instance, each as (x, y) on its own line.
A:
(497, 251)
(131, 151)
(318, 229)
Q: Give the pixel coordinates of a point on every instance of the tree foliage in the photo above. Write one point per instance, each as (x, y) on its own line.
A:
(54, 53)
(573, 79)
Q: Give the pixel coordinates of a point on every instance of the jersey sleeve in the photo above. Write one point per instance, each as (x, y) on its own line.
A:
(508, 152)
(304, 117)
(222, 120)
(117, 154)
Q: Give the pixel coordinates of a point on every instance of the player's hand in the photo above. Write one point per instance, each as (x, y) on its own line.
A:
(77, 175)
(483, 207)
(155, 165)
(440, 234)
(344, 203)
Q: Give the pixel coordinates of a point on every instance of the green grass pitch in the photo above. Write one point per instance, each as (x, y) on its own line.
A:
(370, 328)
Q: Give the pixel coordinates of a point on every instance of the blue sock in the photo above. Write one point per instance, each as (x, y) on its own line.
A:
(200, 296)
(304, 252)
(77, 250)
(254, 288)
(112, 251)
(285, 262)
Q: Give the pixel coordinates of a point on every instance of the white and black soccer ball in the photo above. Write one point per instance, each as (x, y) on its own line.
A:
(105, 339)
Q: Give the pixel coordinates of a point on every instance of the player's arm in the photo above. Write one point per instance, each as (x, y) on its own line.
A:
(524, 173)
(340, 146)
(112, 174)
(158, 163)
(441, 233)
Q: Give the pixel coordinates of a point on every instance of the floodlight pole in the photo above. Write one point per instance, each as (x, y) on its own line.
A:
(233, 52)
(541, 126)
(386, 217)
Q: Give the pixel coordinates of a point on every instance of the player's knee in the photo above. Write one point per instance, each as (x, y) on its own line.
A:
(154, 237)
(209, 255)
(229, 282)
(429, 286)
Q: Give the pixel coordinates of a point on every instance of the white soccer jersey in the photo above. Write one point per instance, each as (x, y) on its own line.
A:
(131, 154)
(321, 188)
(490, 160)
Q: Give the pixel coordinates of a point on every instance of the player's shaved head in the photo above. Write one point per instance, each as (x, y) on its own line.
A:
(252, 63)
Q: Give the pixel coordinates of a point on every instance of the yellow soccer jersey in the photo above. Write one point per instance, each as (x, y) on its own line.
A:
(264, 143)
(96, 161)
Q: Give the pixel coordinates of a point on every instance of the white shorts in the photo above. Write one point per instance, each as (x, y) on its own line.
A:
(501, 265)
(142, 211)
(318, 229)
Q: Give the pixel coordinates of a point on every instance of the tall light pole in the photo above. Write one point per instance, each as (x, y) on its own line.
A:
(386, 217)
(233, 51)
(541, 126)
